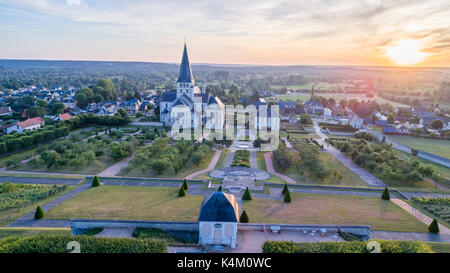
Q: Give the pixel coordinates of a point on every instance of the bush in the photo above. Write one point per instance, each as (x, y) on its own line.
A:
(434, 227)
(285, 189)
(39, 214)
(89, 244)
(344, 247)
(247, 195)
(244, 217)
(287, 197)
(385, 195)
(95, 182)
(220, 188)
(185, 185)
(181, 192)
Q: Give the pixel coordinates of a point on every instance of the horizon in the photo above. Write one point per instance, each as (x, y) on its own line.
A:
(347, 33)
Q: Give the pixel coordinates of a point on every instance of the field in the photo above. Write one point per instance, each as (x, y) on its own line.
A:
(433, 146)
(333, 210)
(129, 203)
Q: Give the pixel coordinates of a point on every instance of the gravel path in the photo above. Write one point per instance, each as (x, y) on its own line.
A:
(115, 169)
(270, 169)
(211, 166)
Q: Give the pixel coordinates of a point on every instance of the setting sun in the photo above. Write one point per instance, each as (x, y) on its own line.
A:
(406, 52)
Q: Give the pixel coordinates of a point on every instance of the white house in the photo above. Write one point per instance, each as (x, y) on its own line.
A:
(327, 112)
(356, 122)
(218, 220)
(29, 124)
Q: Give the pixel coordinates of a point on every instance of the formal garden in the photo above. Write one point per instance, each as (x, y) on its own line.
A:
(382, 161)
(241, 159)
(167, 158)
(308, 165)
(436, 207)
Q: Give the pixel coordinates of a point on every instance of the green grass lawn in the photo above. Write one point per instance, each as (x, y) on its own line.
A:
(349, 178)
(222, 159)
(300, 136)
(27, 232)
(261, 162)
(439, 247)
(433, 146)
(322, 209)
(129, 203)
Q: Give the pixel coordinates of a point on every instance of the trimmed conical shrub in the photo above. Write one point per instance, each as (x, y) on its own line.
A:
(185, 185)
(434, 227)
(181, 192)
(95, 182)
(39, 214)
(220, 188)
(285, 189)
(247, 195)
(385, 195)
(244, 217)
(287, 197)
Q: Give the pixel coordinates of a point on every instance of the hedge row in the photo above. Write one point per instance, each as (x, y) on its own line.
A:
(344, 247)
(88, 244)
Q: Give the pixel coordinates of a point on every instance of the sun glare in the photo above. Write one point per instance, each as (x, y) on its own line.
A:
(406, 52)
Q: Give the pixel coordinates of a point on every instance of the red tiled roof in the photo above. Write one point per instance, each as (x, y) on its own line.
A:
(30, 122)
(65, 116)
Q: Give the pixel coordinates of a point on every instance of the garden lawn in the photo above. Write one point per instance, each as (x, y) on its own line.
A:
(129, 203)
(349, 178)
(434, 146)
(321, 209)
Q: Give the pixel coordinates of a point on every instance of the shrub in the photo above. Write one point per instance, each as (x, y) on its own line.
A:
(244, 217)
(287, 197)
(89, 244)
(220, 188)
(434, 227)
(181, 192)
(39, 214)
(344, 247)
(185, 185)
(385, 195)
(95, 182)
(285, 189)
(247, 195)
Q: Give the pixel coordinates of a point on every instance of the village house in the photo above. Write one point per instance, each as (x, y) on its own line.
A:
(29, 124)
(6, 111)
(65, 116)
(356, 122)
(131, 106)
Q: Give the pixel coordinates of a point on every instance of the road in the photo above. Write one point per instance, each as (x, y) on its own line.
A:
(367, 177)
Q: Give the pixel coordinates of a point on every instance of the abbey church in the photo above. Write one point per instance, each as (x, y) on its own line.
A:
(188, 94)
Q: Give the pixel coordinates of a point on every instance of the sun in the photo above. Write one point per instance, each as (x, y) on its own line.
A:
(406, 52)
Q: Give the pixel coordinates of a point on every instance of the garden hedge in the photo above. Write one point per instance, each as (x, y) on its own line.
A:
(88, 244)
(344, 247)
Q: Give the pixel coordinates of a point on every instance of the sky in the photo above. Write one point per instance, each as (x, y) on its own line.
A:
(272, 32)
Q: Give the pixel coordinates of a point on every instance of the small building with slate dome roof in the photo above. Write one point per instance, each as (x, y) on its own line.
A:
(218, 220)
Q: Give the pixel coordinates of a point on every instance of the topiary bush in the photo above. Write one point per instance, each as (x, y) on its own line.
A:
(247, 195)
(220, 188)
(285, 189)
(287, 197)
(39, 214)
(434, 227)
(385, 195)
(95, 182)
(185, 185)
(244, 217)
(181, 192)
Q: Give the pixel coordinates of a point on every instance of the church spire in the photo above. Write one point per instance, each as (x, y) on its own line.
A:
(185, 68)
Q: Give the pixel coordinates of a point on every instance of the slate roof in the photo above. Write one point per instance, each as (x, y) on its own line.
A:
(169, 96)
(185, 69)
(220, 207)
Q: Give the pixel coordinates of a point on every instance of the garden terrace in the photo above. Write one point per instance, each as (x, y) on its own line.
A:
(380, 160)
(434, 206)
(129, 203)
(325, 209)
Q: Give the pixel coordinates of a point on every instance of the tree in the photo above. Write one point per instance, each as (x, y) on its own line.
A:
(385, 195)
(95, 182)
(82, 100)
(247, 195)
(305, 119)
(57, 108)
(39, 214)
(185, 185)
(434, 227)
(285, 189)
(391, 118)
(244, 217)
(220, 188)
(287, 197)
(181, 192)
(437, 124)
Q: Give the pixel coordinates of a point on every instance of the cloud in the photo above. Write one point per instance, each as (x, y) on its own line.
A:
(73, 2)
